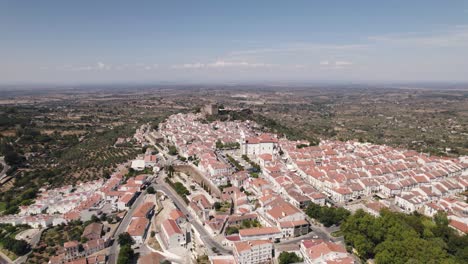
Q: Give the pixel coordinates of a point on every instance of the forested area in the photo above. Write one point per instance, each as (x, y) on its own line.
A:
(395, 237)
(8, 241)
(400, 238)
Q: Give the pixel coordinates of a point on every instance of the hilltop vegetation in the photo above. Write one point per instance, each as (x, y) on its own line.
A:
(64, 141)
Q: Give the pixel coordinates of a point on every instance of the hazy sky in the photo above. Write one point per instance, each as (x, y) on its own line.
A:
(195, 40)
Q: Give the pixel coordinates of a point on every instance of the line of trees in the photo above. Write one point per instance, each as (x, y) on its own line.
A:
(126, 253)
(179, 188)
(235, 163)
(254, 165)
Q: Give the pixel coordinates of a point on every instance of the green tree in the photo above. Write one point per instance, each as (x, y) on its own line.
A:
(217, 206)
(219, 144)
(150, 190)
(172, 150)
(232, 230)
(288, 257)
(440, 219)
(126, 255)
(125, 239)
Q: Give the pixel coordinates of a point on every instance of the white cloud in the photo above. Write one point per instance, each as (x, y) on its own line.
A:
(299, 66)
(222, 64)
(101, 66)
(455, 36)
(150, 67)
(335, 65)
(299, 47)
(343, 63)
(189, 66)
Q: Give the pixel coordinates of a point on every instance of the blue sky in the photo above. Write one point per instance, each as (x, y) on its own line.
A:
(217, 41)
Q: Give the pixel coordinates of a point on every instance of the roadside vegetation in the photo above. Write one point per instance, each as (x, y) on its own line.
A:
(236, 164)
(328, 216)
(179, 188)
(126, 253)
(255, 167)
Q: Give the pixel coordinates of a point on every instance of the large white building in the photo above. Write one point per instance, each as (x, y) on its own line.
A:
(263, 144)
(253, 252)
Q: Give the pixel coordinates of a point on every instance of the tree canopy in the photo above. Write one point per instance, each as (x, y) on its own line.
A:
(126, 239)
(288, 257)
(400, 238)
(328, 216)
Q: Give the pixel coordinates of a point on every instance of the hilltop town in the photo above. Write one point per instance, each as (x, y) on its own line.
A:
(229, 192)
(234, 132)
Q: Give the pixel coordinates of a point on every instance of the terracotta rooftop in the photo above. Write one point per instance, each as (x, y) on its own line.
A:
(259, 231)
(138, 226)
(143, 210)
(171, 227)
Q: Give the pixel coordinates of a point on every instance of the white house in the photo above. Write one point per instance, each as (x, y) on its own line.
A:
(138, 165)
(263, 144)
(171, 234)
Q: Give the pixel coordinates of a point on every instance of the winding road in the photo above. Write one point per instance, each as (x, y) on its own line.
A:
(207, 239)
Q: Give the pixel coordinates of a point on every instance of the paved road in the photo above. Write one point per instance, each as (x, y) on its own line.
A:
(4, 259)
(5, 167)
(318, 232)
(114, 250)
(34, 241)
(207, 239)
